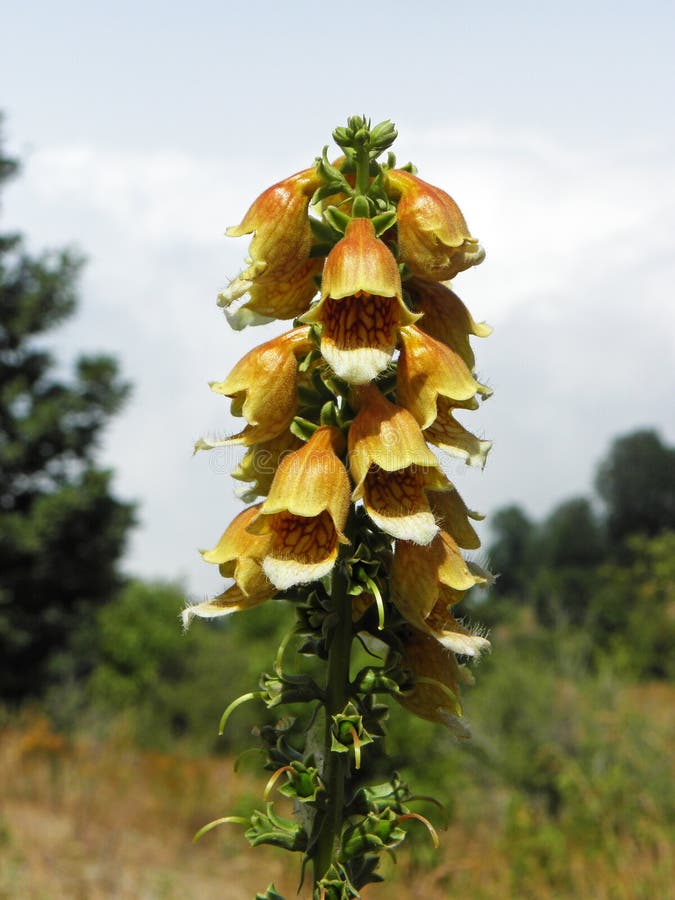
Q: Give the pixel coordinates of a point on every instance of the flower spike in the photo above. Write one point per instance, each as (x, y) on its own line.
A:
(355, 523)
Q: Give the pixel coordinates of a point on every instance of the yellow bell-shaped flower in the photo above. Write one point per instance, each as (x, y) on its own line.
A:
(427, 370)
(238, 555)
(433, 238)
(453, 515)
(436, 677)
(445, 317)
(260, 463)
(418, 573)
(280, 278)
(263, 387)
(446, 433)
(393, 468)
(306, 510)
(361, 307)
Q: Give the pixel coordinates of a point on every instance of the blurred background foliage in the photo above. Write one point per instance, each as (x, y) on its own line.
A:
(572, 715)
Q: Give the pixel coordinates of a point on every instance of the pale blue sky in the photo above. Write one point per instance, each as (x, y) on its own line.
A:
(146, 130)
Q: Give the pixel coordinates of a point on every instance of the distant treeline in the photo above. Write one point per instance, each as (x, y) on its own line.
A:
(604, 564)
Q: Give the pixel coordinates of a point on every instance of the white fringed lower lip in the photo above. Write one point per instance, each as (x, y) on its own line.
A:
(285, 573)
(358, 366)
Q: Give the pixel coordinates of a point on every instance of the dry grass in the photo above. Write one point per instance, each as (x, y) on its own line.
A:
(88, 820)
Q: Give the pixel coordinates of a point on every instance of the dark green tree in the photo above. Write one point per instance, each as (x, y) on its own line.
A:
(570, 547)
(637, 485)
(61, 530)
(511, 552)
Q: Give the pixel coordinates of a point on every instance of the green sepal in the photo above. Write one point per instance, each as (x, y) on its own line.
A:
(329, 414)
(307, 361)
(303, 428)
(268, 828)
(378, 831)
(335, 885)
(362, 870)
(304, 784)
(329, 190)
(342, 739)
(372, 680)
(278, 689)
(384, 222)
(330, 171)
(336, 218)
(270, 894)
(322, 231)
(360, 207)
(377, 798)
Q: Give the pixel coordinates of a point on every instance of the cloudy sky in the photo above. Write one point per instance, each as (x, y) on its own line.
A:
(145, 130)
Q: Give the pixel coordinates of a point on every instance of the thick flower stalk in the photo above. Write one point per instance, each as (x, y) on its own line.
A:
(356, 522)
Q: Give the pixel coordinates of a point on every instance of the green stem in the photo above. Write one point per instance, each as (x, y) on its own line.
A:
(362, 182)
(336, 765)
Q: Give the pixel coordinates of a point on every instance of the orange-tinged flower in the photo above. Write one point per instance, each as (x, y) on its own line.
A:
(305, 512)
(427, 370)
(231, 600)
(436, 677)
(361, 307)
(447, 434)
(238, 555)
(280, 277)
(451, 633)
(433, 238)
(418, 574)
(453, 515)
(261, 462)
(393, 468)
(264, 387)
(445, 317)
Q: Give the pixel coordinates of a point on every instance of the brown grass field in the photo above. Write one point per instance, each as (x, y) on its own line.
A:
(88, 820)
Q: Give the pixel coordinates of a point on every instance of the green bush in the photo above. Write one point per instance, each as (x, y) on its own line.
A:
(173, 684)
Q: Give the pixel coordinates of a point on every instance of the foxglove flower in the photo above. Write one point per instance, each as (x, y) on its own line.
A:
(261, 462)
(433, 238)
(361, 307)
(280, 278)
(445, 317)
(419, 574)
(453, 515)
(428, 370)
(238, 555)
(263, 387)
(446, 433)
(436, 678)
(305, 512)
(393, 468)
